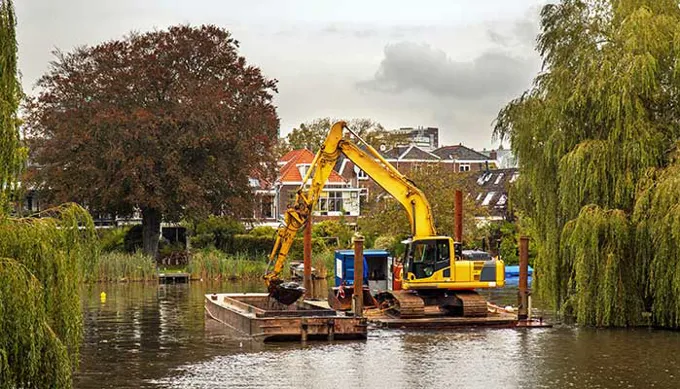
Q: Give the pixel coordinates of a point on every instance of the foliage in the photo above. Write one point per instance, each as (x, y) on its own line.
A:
(657, 239)
(217, 231)
(31, 354)
(255, 246)
(112, 239)
(385, 216)
(172, 122)
(312, 134)
(324, 262)
(596, 245)
(214, 264)
(598, 121)
(12, 154)
(43, 262)
(117, 266)
(334, 229)
(263, 231)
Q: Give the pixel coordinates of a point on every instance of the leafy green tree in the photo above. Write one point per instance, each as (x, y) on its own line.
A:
(595, 137)
(311, 135)
(42, 260)
(12, 154)
(169, 122)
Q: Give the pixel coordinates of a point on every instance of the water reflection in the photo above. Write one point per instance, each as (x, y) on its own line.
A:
(148, 335)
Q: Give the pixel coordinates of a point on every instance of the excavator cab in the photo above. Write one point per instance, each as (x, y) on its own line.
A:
(429, 263)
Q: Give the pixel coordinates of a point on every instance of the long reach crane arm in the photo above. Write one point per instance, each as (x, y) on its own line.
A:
(375, 166)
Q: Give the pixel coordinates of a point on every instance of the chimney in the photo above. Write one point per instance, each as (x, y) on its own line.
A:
(493, 155)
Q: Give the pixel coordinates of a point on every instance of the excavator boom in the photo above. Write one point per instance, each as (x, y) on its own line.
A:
(430, 260)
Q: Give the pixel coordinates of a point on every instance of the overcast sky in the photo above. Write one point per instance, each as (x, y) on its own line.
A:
(442, 63)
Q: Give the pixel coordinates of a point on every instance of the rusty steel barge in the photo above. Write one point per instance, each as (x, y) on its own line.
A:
(260, 317)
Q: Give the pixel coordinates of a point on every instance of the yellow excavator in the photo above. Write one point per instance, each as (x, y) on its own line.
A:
(434, 272)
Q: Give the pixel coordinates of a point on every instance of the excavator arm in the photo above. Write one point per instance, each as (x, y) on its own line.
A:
(384, 174)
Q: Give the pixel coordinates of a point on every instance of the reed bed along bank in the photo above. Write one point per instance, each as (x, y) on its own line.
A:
(212, 264)
(117, 266)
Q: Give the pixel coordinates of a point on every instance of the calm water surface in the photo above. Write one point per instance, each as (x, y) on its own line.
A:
(155, 336)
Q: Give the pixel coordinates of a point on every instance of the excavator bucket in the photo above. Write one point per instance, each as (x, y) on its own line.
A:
(285, 293)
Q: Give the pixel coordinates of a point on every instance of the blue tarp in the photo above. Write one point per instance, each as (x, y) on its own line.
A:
(513, 271)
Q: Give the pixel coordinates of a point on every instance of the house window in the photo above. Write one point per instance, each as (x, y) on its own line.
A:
(334, 201)
(488, 198)
(464, 167)
(361, 175)
(330, 202)
(502, 200)
(303, 168)
(267, 209)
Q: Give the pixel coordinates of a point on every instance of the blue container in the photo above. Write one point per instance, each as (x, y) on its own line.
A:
(344, 264)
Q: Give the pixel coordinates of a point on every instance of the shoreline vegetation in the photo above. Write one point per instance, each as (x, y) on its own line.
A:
(204, 264)
(220, 249)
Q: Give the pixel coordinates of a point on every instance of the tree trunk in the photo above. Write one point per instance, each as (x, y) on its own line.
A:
(151, 230)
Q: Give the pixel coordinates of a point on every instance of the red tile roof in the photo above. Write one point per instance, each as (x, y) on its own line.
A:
(290, 172)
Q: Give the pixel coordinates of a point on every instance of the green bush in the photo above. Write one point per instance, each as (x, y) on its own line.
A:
(117, 266)
(262, 246)
(334, 229)
(217, 231)
(265, 231)
(112, 239)
(385, 242)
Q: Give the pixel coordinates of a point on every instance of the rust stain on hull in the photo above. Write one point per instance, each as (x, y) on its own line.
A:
(258, 316)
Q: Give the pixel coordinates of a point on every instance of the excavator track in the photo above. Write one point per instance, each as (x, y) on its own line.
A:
(409, 304)
(474, 305)
(402, 303)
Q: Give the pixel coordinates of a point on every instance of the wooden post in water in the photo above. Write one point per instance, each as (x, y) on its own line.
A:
(522, 312)
(458, 216)
(358, 297)
(307, 259)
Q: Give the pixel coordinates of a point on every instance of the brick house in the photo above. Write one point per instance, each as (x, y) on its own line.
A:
(403, 158)
(456, 158)
(338, 198)
(465, 159)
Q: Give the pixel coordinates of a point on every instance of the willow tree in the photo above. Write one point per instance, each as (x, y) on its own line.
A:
(42, 259)
(595, 138)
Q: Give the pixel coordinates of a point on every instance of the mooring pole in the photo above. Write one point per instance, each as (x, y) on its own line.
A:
(458, 216)
(307, 259)
(358, 297)
(523, 278)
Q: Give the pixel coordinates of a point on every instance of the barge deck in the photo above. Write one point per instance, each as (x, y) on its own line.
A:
(258, 316)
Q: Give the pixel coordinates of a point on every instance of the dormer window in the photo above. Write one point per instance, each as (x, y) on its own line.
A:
(303, 168)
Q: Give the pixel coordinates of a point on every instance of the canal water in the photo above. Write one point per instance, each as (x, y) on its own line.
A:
(155, 336)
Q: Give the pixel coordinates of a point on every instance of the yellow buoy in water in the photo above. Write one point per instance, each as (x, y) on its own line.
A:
(102, 297)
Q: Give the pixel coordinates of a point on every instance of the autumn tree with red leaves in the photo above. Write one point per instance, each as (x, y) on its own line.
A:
(167, 122)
